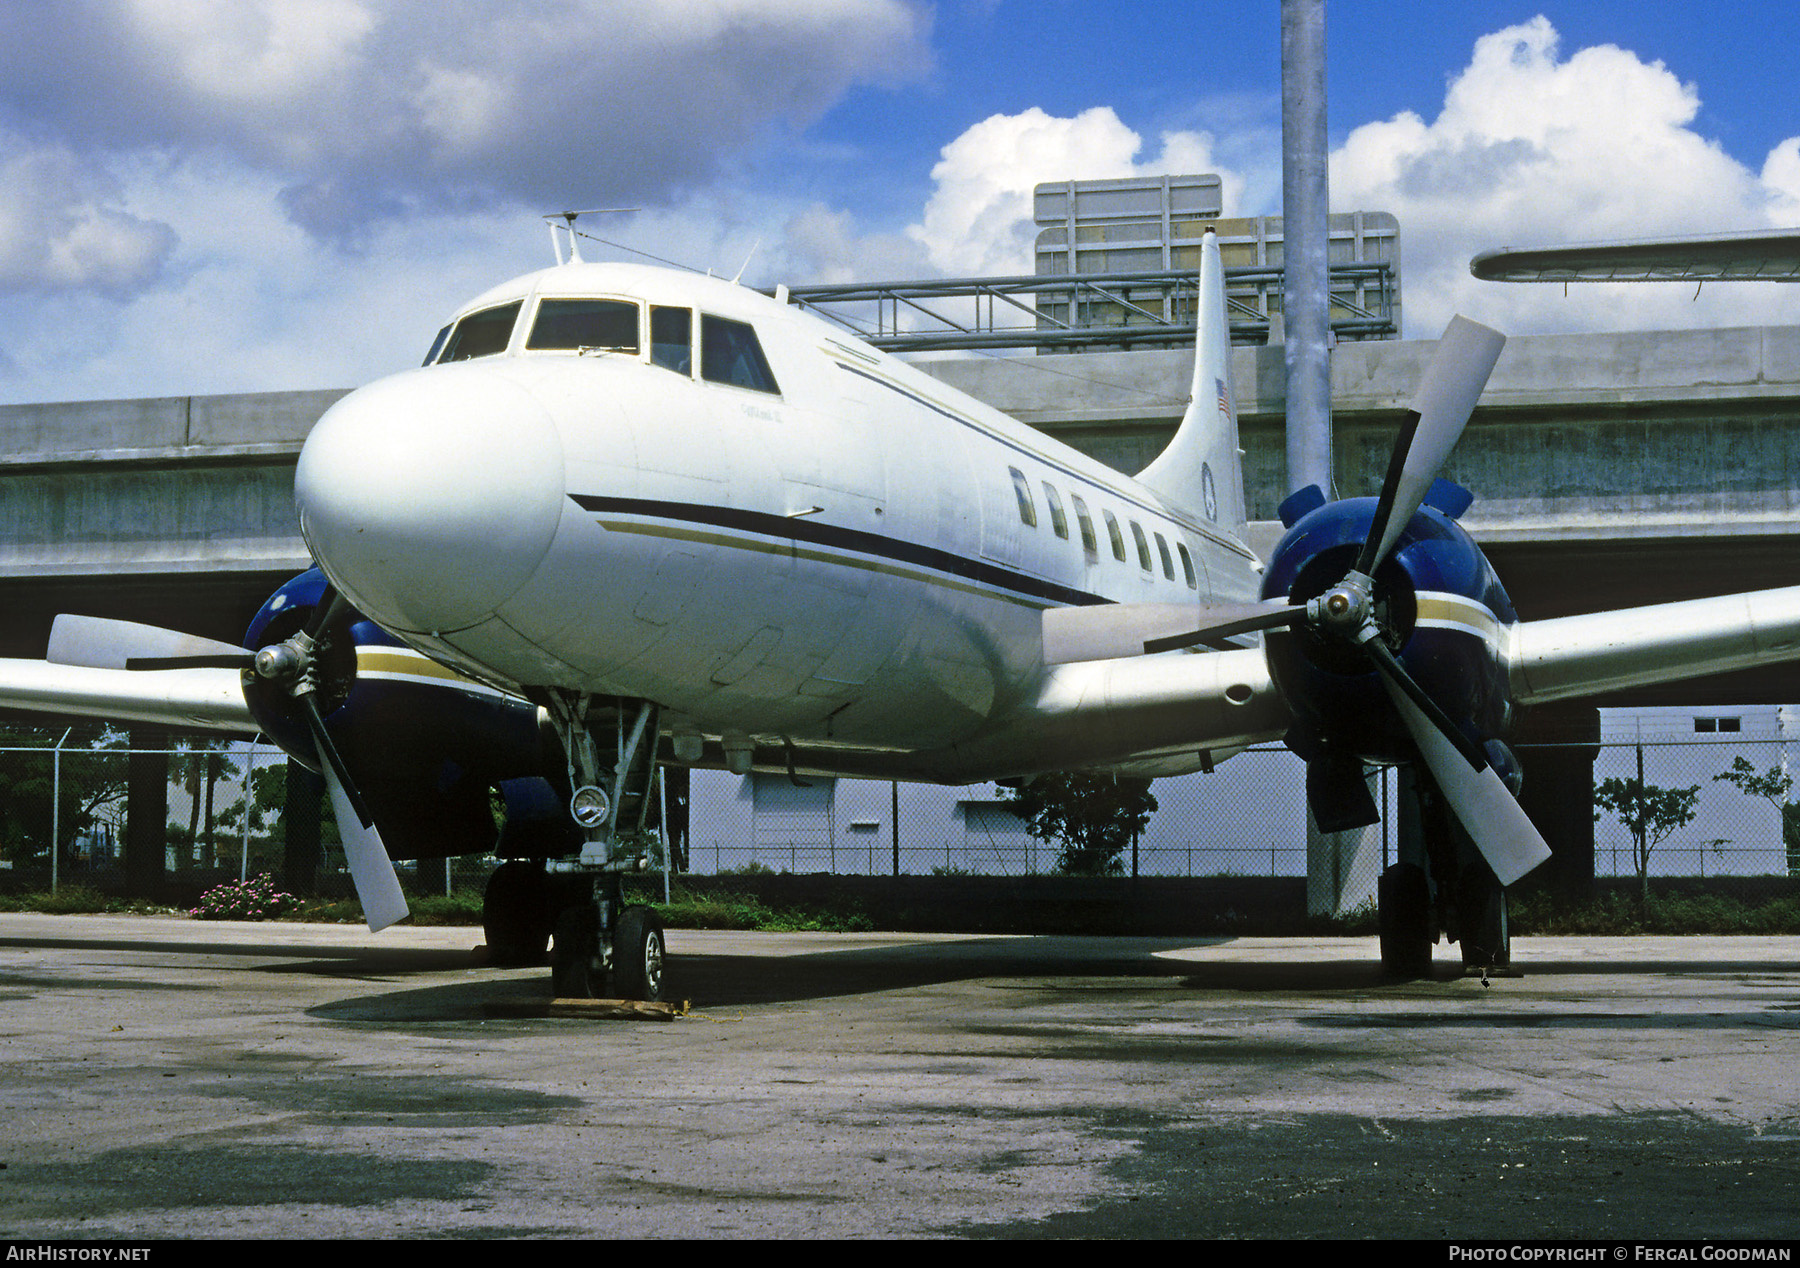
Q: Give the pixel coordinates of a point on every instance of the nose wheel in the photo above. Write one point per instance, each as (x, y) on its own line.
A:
(624, 961)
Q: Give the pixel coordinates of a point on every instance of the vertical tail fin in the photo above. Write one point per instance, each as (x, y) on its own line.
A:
(1202, 469)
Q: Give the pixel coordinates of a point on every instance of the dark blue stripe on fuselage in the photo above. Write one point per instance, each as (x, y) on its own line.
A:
(850, 540)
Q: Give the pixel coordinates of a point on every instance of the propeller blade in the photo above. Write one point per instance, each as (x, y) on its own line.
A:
(1231, 619)
(1394, 672)
(1337, 793)
(330, 601)
(98, 642)
(1489, 813)
(237, 660)
(1108, 631)
(1453, 382)
(377, 886)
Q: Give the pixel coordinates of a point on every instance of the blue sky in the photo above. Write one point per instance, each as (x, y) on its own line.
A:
(269, 194)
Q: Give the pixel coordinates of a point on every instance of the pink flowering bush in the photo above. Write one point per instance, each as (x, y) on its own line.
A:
(254, 899)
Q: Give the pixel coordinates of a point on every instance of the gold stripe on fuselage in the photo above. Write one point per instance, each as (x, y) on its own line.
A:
(1440, 610)
(402, 664)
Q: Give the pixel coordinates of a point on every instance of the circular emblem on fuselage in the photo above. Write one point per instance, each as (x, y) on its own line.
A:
(1209, 496)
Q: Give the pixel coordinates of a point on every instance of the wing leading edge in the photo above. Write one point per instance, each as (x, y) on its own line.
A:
(1631, 647)
(189, 699)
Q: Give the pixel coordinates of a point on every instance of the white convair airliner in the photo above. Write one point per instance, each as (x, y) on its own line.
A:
(626, 514)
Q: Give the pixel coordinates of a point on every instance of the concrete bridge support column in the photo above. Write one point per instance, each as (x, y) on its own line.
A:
(300, 814)
(1343, 868)
(146, 811)
(1557, 745)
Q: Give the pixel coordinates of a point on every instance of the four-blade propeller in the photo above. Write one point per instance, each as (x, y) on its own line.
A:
(293, 665)
(1346, 612)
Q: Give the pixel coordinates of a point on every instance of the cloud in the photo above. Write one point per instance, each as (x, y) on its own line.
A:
(979, 219)
(366, 107)
(62, 227)
(823, 245)
(1781, 177)
(1532, 148)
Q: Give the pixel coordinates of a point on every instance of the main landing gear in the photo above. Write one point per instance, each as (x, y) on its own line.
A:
(1440, 885)
(599, 946)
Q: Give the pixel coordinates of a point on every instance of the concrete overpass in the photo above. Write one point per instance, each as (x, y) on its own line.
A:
(1609, 470)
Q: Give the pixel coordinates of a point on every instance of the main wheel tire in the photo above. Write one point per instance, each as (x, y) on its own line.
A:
(517, 914)
(639, 955)
(1481, 913)
(577, 970)
(1403, 896)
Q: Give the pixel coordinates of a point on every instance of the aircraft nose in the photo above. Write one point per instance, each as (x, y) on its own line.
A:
(430, 498)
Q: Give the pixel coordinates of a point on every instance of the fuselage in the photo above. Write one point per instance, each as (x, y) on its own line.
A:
(634, 482)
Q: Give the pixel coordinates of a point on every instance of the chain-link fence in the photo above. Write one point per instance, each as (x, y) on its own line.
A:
(226, 816)
(1697, 809)
(1707, 808)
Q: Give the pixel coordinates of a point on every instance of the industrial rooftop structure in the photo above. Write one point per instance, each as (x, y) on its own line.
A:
(1115, 268)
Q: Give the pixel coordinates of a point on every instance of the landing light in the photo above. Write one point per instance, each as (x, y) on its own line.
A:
(590, 806)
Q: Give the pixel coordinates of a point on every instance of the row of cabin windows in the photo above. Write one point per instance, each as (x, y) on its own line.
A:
(729, 350)
(1090, 543)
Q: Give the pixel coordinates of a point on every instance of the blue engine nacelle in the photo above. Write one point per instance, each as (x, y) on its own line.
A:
(427, 748)
(1440, 607)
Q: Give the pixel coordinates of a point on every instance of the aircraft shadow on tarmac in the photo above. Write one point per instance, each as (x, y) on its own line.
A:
(719, 980)
(715, 980)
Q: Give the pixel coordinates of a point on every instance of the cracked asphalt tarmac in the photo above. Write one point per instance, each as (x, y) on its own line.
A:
(165, 1078)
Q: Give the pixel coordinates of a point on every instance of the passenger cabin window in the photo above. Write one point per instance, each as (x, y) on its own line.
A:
(1059, 523)
(610, 325)
(1085, 522)
(1162, 548)
(1118, 538)
(1143, 546)
(672, 338)
(1187, 565)
(730, 353)
(482, 334)
(1022, 490)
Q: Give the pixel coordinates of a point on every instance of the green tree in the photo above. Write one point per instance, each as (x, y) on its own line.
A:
(1649, 813)
(265, 797)
(1773, 786)
(198, 767)
(1093, 816)
(90, 791)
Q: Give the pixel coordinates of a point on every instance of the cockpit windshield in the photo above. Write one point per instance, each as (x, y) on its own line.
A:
(608, 324)
(482, 334)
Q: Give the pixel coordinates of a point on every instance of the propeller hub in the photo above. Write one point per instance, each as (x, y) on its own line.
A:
(1345, 608)
(279, 661)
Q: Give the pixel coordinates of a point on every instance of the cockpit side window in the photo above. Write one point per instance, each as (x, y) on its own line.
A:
(437, 346)
(482, 334)
(609, 324)
(731, 353)
(672, 338)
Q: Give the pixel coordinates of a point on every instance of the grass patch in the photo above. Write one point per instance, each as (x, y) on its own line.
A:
(460, 908)
(1623, 915)
(744, 912)
(79, 900)
(1616, 913)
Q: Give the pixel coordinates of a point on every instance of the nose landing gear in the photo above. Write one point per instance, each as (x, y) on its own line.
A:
(602, 947)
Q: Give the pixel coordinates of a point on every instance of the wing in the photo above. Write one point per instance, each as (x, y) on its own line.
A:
(1607, 651)
(1753, 256)
(188, 699)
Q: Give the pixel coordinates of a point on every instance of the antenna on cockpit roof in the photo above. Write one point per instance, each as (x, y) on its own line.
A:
(568, 227)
